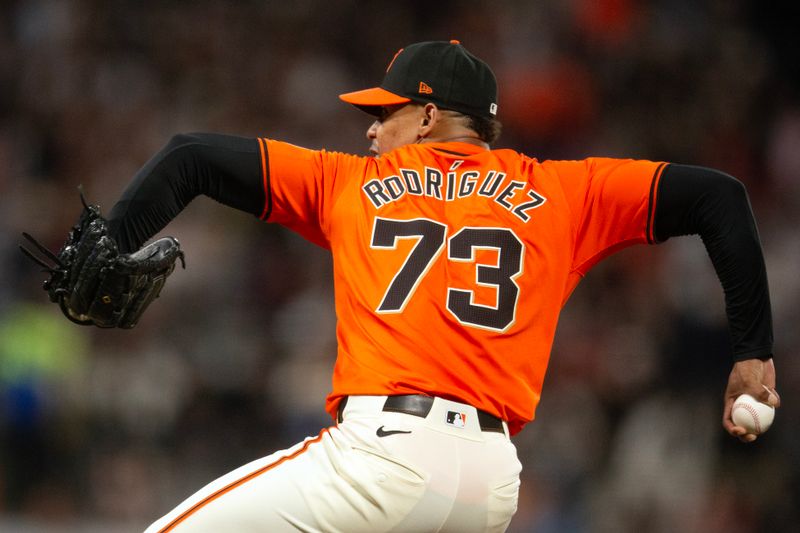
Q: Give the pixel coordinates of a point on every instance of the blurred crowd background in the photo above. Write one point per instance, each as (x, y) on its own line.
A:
(107, 430)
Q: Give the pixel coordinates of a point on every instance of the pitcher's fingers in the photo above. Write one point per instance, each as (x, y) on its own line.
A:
(774, 399)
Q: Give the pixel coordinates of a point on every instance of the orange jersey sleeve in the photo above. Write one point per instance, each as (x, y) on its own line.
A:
(612, 203)
(452, 263)
(302, 185)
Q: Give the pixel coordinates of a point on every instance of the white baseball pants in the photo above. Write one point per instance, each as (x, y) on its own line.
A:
(375, 471)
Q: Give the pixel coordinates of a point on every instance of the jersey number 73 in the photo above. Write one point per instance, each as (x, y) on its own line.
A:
(431, 237)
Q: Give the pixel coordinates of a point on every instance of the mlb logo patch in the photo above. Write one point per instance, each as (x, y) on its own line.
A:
(456, 419)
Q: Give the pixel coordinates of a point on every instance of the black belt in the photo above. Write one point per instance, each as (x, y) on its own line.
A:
(420, 405)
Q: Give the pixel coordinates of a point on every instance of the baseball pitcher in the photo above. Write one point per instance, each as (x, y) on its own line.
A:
(452, 261)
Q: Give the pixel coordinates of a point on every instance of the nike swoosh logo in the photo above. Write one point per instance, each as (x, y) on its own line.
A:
(382, 433)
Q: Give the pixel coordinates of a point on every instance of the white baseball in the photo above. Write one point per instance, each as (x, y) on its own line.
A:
(756, 417)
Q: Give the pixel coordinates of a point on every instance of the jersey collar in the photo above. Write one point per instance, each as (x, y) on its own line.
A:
(456, 148)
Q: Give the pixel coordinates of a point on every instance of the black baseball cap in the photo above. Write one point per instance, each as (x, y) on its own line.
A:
(441, 72)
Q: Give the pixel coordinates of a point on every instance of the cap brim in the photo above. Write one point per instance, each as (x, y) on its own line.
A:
(370, 100)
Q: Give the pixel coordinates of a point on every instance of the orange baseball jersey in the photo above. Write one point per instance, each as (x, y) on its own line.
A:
(452, 262)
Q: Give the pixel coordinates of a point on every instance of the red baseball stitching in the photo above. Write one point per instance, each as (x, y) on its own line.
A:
(750, 409)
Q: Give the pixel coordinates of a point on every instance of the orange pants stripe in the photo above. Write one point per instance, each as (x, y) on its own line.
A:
(210, 498)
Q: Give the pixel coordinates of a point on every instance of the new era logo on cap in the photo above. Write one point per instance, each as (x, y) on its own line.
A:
(440, 72)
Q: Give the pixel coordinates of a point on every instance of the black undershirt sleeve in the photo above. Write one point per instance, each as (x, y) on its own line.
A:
(223, 167)
(706, 202)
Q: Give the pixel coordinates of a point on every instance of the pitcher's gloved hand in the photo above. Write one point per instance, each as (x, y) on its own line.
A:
(94, 284)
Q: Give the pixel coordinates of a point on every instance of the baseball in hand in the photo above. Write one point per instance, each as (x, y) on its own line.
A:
(756, 417)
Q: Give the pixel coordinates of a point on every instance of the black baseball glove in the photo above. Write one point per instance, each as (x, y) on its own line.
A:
(94, 284)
